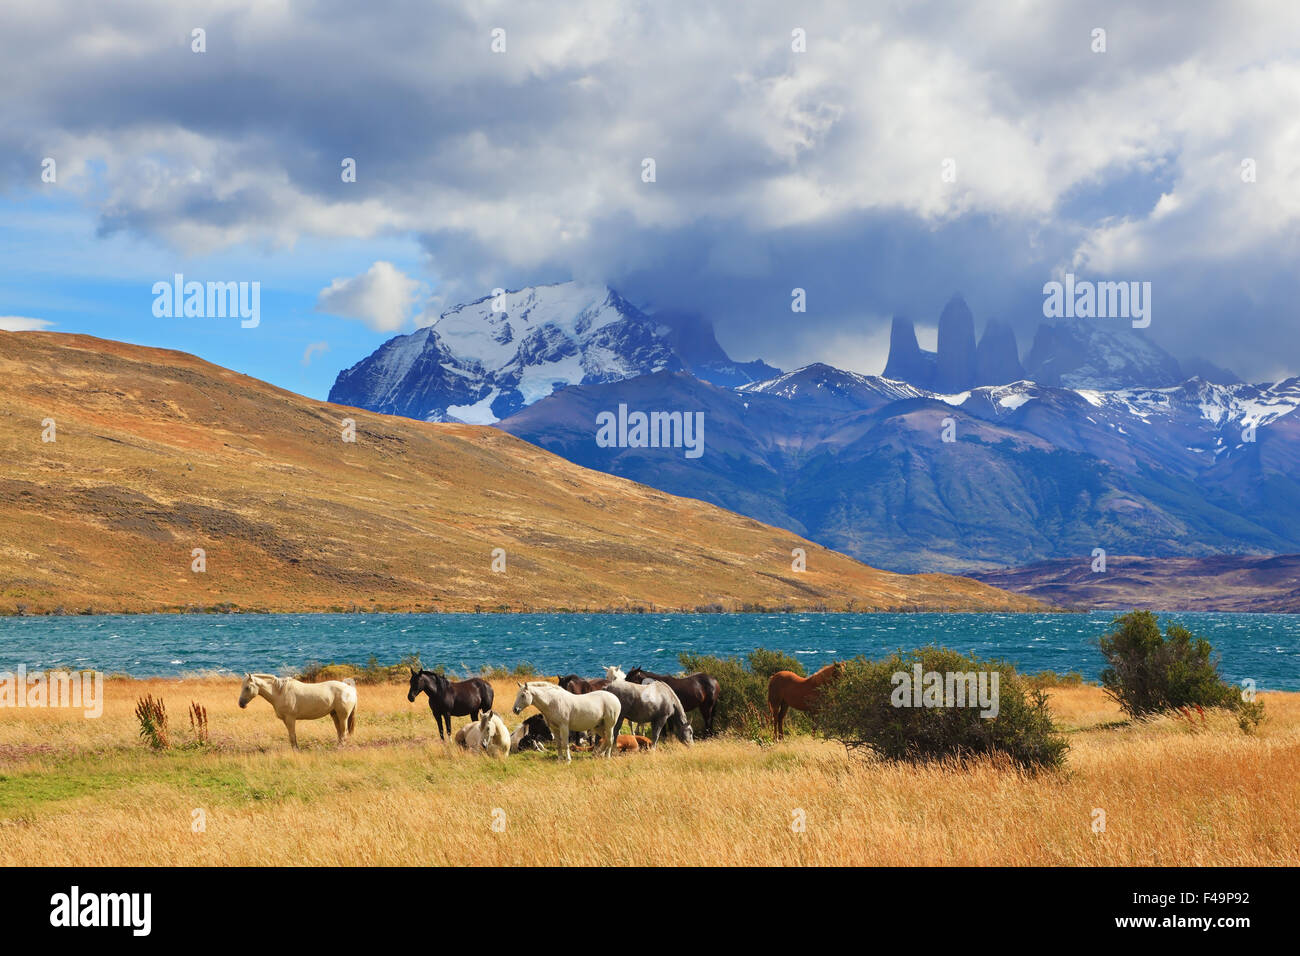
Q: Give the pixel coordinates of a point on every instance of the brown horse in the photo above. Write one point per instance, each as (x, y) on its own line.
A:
(581, 685)
(699, 690)
(786, 689)
(626, 742)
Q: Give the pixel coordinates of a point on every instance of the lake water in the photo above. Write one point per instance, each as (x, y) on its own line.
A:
(1264, 647)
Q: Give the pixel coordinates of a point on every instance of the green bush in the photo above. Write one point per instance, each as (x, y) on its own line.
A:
(1045, 679)
(868, 709)
(1148, 673)
(742, 691)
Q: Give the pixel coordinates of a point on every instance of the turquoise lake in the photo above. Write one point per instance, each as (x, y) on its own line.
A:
(1263, 647)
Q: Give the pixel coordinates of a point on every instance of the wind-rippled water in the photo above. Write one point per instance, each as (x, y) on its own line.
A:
(1264, 647)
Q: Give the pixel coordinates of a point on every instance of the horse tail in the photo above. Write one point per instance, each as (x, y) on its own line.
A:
(772, 694)
(352, 718)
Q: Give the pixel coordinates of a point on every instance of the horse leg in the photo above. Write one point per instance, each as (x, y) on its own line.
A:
(562, 743)
(339, 724)
(657, 729)
(293, 733)
(781, 710)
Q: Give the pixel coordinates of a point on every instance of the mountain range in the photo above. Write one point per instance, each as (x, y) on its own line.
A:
(141, 479)
(485, 360)
(859, 463)
(969, 458)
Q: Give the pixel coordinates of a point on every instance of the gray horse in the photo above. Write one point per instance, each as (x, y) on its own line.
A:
(653, 702)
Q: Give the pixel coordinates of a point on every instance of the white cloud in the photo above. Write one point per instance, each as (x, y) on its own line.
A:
(382, 297)
(19, 323)
(312, 349)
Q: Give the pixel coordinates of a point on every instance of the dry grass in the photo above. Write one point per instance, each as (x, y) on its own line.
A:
(89, 792)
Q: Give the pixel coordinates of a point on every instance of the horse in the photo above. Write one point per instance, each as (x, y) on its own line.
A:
(292, 700)
(654, 703)
(534, 734)
(469, 737)
(448, 699)
(697, 690)
(494, 737)
(597, 711)
(786, 689)
(581, 685)
(629, 742)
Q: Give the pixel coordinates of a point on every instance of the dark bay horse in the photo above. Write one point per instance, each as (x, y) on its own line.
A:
(694, 691)
(582, 685)
(448, 699)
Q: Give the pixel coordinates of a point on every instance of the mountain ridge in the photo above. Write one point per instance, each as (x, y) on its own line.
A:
(158, 453)
(484, 360)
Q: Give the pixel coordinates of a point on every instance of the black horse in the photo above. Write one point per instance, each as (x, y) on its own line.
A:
(448, 699)
(539, 734)
(694, 691)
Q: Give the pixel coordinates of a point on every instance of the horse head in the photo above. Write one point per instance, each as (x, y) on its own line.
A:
(685, 733)
(524, 698)
(248, 690)
(612, 673)
(635, 675)
(414, 692)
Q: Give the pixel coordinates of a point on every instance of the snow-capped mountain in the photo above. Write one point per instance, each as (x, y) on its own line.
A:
(1085, 353)
(820, 384)
(487, 359)
(858, 463)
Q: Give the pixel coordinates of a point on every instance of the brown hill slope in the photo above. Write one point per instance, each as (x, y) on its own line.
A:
(158, 453)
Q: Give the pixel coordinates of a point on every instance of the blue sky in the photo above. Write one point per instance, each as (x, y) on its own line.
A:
(776, 168)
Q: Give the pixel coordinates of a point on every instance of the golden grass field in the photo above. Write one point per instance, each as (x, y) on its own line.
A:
(89, 792)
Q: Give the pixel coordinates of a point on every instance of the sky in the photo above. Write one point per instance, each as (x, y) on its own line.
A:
(881, 156)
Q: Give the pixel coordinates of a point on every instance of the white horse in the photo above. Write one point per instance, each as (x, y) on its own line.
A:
(469, 737)
(494, 735)
(563, 711)
(612, 673)
(292, 700)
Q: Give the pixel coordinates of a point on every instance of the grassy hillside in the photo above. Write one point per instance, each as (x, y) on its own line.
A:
(158, 453)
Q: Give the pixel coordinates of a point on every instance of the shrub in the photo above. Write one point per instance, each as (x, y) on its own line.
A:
(153, 721)
(372, 672)
(742, 691)
(870, 709)
(765, 663)
(199, 722)
(1045, 679)
(1148, 673)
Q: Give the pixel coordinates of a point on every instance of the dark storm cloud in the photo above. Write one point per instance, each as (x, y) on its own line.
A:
(775, 169)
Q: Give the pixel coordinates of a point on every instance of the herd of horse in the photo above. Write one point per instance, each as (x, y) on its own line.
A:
(573, 712)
